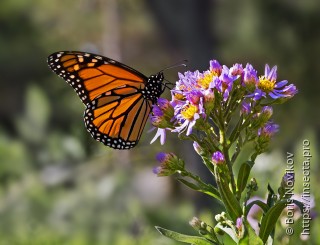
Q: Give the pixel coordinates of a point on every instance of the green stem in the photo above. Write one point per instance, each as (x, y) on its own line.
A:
(224, 144)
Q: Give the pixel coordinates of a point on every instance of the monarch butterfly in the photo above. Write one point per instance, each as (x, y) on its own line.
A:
(118, 99)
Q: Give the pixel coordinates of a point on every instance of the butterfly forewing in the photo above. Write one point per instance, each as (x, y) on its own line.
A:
(91, 75)
(118, 98)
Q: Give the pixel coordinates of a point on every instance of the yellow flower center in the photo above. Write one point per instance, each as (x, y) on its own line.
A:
(266, 85)
(189, 111)
(205, 81)
(179, 96)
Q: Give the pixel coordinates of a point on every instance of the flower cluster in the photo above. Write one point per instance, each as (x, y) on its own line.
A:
(198, 96)
(221, 110)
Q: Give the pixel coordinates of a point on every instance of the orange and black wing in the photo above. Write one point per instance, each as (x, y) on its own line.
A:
(117, 118)
(91, 75)
(116, 110)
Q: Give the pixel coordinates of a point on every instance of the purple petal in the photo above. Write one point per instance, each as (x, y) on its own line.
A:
(273, 73)
(273, 95)
(266, 70)
(281, 84)
(161, 132)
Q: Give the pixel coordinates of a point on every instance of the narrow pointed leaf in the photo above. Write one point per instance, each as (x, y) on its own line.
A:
(196, 240)
(250, 237)
(229, 231)
(269, 220)
(299, 204)
(270, 200)
(261, 204)
(207, 189)
(243, 176)
(229, 200)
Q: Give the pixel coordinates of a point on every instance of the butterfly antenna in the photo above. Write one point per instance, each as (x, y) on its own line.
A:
(178, 64)
(168, 83)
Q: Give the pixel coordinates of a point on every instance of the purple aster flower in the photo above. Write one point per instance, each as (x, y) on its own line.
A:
(287, 180)
(163, 103)
(157, 116)
(218, 158)
(268, 85)
(205, 79)
(169, 164)
(257, 94)
(156, 110)
(289, 91)
(194, 97)
(236, 70)
(215, 67)
(268, 130)
(245, 108)
(162, 113)
(260, 118)
(186, 81)
(250, 78)
(224, 82)
(187, 116)
(162, 157)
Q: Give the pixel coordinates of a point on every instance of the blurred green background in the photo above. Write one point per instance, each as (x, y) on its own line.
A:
(59, 186)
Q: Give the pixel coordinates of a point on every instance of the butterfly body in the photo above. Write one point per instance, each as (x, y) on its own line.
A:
(118, 99)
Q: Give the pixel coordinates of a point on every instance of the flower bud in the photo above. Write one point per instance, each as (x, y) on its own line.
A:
(215, 67)
(166, 108)
(268, 130)
(250, 78)
(221, 217)
(287, 180)
(169, 164)
(198, 148)
(162, 113)
(209, 100)
(239, 223)
(218, 158)
(253, 185)
(163, 104)
(236, 69)
(195, 223)
(267, 112)
(245, 108)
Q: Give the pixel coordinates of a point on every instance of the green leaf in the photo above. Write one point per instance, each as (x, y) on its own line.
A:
(207, 189)
(269, 220)
(189, 184)
(270, 198)
(229, 200)
(299, 204)
(229, 231)
(196, 240)
(243, 176)
(261, 204)
(250, 236)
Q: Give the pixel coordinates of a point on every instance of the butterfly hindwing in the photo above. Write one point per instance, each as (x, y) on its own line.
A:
(117, 121)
